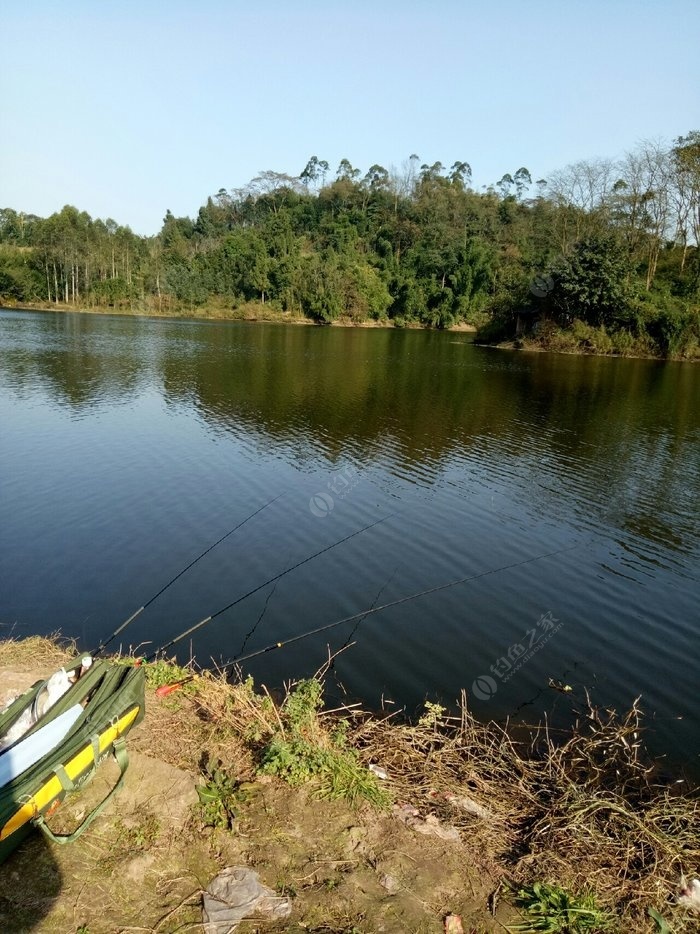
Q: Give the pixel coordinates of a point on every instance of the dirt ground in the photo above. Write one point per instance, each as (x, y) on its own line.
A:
(143, 865)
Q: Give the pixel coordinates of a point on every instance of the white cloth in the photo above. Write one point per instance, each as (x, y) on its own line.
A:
(27, 752)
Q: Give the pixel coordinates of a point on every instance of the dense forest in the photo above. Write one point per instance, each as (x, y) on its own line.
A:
(602, 255)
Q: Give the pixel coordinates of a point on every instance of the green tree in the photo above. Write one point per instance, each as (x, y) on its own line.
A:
(321, 288)
(315, 171)
(592, 283)
(20, 274)
(685, 166)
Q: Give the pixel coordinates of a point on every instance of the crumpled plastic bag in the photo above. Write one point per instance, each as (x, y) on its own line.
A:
(690, 895)
(411, 817)
(237, 893)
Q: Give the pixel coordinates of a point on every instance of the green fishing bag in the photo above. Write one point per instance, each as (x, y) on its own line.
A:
(113, 701)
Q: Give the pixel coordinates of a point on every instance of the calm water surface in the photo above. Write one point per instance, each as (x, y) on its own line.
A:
(129, 445)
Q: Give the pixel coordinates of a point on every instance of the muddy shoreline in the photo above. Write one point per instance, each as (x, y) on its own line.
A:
(454, 817)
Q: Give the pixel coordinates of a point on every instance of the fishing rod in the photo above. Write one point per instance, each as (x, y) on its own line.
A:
(376, 609)
(208, 619)
(101, 647)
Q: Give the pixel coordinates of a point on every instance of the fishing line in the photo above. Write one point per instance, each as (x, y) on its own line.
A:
(385, 606)
(208, 619)
(140, 610)
(373, 605)
(259, 619)
(348, 642)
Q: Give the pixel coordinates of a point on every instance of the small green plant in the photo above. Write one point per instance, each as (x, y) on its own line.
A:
(662, 925)
(433, 713)
(217, 796)
(160, 673)
(552, 910)
(257, 727)
(138, 836)
(302, 749)
(285, 889)
(303, 704)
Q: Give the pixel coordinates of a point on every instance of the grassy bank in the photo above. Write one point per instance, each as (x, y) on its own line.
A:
(671, 333)
(570, 833)
(583, 338)
(247, 311)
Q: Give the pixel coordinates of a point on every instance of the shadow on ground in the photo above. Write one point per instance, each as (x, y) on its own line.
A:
(30, 885)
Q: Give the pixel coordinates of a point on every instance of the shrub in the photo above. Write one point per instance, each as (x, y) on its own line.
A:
(587, 337)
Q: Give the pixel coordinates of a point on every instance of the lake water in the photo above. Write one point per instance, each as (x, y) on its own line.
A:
(127, 446)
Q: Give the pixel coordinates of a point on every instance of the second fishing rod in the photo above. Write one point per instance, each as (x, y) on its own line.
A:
(229, 606)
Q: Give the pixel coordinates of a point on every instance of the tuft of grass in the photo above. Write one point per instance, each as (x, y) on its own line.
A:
(39, 651)
(550, 909)
(136, 837)
(162, 672)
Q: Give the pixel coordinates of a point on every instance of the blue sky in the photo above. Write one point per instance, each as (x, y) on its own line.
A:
(128, 109)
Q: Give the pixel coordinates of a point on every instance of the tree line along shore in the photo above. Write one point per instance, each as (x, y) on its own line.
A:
(602, 256)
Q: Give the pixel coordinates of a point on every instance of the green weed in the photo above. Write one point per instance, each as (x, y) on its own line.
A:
(302, 750)
(433, 714)
(160, 673)
(137, 837)
(552, 910)
(662, 925)
(217, 796)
